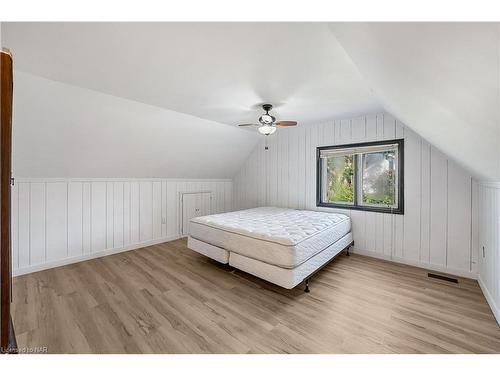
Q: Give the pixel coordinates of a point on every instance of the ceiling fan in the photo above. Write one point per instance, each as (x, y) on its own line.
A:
(267, 123)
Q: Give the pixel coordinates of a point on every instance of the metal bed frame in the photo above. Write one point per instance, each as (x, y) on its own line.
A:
(306, 280)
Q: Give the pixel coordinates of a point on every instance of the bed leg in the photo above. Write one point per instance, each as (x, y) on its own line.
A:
(306, 290)
(347, 251)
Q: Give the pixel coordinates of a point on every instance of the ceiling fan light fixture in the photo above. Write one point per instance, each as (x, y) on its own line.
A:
(268, 122)
(266, 119)
(266, 129)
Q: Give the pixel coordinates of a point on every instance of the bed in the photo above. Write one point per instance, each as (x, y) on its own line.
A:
(280, 245)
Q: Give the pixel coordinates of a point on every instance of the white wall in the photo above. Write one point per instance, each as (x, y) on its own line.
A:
(97, 174)
(66, 131)
(60, 221)
(434, 232)
(489, 239)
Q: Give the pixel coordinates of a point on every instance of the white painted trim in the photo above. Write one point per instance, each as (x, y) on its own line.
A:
(427, 266)
(116, 179)
(80, 258)
(491, 184)
(196, 192)
(488, 239)
(494, 308)
(370, 254)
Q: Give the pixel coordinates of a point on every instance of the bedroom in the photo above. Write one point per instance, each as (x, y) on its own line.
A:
(177, 188)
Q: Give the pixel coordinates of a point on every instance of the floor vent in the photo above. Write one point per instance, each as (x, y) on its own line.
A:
(441, 277)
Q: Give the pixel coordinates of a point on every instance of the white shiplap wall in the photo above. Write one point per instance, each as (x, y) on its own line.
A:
(488, 213)
(60, 221)
(435, 231)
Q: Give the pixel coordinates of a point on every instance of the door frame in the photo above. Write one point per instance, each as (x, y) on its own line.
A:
(7, 337)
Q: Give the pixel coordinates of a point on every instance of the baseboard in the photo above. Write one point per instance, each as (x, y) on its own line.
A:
(80, 258)
(371, 254)
(493, 306)
(427, 266)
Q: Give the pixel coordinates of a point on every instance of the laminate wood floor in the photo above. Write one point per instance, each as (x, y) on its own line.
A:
(168, 299)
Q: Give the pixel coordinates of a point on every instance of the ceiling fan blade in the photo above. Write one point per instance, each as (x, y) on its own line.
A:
(285, 123)
(248, 125)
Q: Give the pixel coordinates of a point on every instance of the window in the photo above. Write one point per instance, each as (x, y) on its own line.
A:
(363, 176)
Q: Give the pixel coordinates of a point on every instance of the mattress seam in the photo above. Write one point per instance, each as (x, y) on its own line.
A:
(274, 264)
(266, 240)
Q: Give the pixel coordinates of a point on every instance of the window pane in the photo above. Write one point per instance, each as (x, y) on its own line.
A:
(379, 178)
(340, 173)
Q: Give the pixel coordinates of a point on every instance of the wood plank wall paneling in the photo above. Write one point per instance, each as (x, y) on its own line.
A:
(98, 208)
(75, 219)
(56, 221)
(37, 223)
(488, 237)
(436, 230)
(24, 218)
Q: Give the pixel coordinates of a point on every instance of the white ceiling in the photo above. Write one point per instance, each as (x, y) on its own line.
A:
(216, 71)
(441, 79)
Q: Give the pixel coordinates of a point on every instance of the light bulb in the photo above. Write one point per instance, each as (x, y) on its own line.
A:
(266, 129)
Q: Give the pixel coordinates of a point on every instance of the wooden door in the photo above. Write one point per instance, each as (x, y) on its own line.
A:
(7, 338)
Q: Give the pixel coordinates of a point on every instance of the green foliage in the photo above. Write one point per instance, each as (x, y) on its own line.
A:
(340, 172)
(340, 191)
(372, 199)
(383, 187)
(378, 185)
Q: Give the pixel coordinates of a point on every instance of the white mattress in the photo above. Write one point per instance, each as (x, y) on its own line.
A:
(289, 278)
(278, 236)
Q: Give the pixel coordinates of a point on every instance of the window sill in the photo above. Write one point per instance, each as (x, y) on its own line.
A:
(384, 210)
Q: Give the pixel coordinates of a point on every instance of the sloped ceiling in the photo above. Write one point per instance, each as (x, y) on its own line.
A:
(440, 79)
(175, 92)
(61, 130)
(216, 71)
